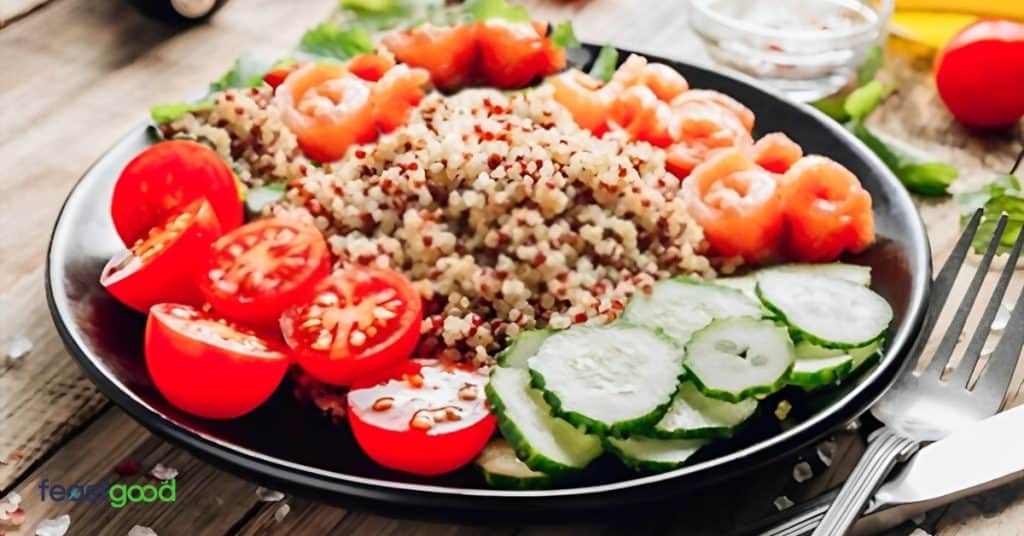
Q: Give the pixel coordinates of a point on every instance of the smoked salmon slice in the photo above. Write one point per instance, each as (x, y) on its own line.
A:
(738, 204)
(776, 152)
(827, 211)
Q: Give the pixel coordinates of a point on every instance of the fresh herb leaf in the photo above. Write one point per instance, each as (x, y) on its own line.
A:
(865, 99)
(258, 198)
(384, 15)
(605, 64)
(247, 71)
(919, 176)
(1002, 195)
(482, 10)
(165, 113)
(563, 36)
(869, 67)
(331, 40)
(370, 6)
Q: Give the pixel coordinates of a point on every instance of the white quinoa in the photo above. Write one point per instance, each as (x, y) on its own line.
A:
(505, 214)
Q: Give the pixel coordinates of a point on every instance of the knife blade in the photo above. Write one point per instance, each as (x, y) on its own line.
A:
(979, 457)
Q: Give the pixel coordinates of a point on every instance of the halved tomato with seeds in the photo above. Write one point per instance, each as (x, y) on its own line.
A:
(260, 269)
(359, 321)
(209, 366)
(423, 416)
(162, 266)
(164, 178)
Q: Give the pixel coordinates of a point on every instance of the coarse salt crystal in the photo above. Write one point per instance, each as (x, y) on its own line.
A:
(162, 472)
(269, 495)
(57, 526)
(802, 472)
(825, 452)
(782, 502)
(139, 530)
(18, 347)
(281, 512)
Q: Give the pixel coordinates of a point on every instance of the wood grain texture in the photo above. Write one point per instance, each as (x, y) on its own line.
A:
(86, 73)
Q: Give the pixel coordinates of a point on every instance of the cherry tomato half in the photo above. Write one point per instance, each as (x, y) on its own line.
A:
(360, 320)
(258, 270)
(162, 266)
(424, 418)
(980, 73)
(208, 366)
(166, 177)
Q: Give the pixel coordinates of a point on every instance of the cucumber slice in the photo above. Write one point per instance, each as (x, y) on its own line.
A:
(544, 443)
(649, 454)
(681, 306)
(609, 379)
(747, 284)
(523, 347)
(817, 366)
(694, 415)
(853, 273)
(736, 358)
(502, 469)
(828, 312)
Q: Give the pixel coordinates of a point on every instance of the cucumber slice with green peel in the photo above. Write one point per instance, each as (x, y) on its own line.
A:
(522, 347)
(853, 273)
(654, 455)
(825, 311)
(544, 443)
(503, 470)
(817, 366)
(747, 284)
(612, 379)
(681, 306)
(737, 358)
(692, 415)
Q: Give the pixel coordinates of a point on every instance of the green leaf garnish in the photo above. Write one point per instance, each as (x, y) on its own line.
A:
(919, 176)
(257, 199)
(1002, 195)
(247, 71)
(370, 6)
(330, 40)
(165, 113)
(605, 64)
(563, 36)
(482, 10)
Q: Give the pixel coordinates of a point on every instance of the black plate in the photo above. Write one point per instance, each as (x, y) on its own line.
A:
(288, 445)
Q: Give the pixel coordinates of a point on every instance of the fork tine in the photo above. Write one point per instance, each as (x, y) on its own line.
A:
(941, 287)
(995, 379)
(973, 353)
(952, 335)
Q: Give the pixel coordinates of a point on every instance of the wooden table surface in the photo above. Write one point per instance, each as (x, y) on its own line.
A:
(77, 74)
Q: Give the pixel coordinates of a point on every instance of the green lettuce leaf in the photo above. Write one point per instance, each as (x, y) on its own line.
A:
(1002, 195)
(330, 40)
(605, 64)
(247, 71)
(256, 199)
(482, 10)
(563, 36)
(165, 113)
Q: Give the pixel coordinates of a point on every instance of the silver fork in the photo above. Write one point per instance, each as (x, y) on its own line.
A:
(924, 407)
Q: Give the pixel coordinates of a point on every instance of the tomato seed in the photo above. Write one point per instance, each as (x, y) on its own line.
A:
(235, 250)
(383, 404)
(311, 323)
(326, 299)
(357, 338)
(216, 274)
(382, 313)
(323, 341)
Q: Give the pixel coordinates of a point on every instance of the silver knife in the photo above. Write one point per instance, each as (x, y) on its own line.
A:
(979, 457)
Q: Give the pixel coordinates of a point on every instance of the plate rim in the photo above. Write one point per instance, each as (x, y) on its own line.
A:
(259, 466)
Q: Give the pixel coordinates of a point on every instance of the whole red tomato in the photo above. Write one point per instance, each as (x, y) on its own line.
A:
(980, 73)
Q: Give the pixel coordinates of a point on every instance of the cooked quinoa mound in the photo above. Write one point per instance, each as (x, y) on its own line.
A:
(505, 214)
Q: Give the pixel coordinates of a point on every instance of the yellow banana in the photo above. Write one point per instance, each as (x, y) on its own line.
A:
(1010, 9)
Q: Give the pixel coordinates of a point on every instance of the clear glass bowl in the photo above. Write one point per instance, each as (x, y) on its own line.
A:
(808, 49)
